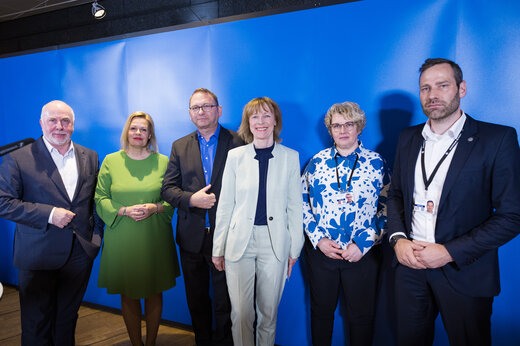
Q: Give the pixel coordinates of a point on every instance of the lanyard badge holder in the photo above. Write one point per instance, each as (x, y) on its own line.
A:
(345, 196)
(427, 205)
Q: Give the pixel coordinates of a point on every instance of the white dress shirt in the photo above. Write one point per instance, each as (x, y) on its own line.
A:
(436, 145)
(67, 167)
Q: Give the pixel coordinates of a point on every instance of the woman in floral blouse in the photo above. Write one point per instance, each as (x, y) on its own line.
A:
(344, 190)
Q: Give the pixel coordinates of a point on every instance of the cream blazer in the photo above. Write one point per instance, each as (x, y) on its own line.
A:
(238, 198)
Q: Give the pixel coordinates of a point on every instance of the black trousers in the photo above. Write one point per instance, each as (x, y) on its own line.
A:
(198, 269)
(50, 300)
(422, 294)
(358, 281)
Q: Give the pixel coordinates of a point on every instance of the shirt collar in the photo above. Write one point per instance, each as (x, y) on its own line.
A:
(335, 152)
(213, 136)
(452, 132)
(52, 149)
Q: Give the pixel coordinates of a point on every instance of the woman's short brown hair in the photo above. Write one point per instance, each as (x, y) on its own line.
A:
(252, 107)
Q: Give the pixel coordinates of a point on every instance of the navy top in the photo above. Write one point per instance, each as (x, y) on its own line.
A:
(262, 155)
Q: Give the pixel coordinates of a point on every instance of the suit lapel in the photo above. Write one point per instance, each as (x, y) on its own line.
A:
(194, 157)
(251, 173)
(220, 155)
(81, 163)
(464, 148)
(411, 161)
(272, 181)
(50, 168)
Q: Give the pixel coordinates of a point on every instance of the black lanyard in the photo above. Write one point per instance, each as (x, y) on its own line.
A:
(351, 172)
(428, 181)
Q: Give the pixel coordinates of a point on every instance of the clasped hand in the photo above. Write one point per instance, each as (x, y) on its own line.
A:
(421, 255)
(140, 212)
(333, 250)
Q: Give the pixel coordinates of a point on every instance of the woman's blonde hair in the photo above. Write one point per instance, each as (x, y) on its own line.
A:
(152, 141)
(350, 111)
(252, 107)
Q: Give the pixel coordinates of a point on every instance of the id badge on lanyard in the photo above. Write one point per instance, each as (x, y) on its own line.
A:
(345, 196)
(424, 206)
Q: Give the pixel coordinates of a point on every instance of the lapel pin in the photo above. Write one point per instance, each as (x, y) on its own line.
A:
(470, 139)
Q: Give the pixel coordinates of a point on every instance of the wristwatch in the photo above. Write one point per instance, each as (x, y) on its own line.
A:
(393, 240)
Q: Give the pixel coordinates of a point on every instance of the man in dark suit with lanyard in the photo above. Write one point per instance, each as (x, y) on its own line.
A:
(47, 188)
(192, 184)
(454, 200)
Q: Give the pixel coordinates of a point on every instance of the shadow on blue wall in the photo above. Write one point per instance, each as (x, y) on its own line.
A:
(395, 114)
(396, 109)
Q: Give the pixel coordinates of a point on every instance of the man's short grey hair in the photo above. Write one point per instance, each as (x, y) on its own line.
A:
(45, 110)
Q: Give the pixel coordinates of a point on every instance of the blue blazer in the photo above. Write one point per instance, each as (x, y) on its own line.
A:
(30, 186)
(479, 209)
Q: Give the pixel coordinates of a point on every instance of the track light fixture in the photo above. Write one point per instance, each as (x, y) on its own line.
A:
(98, 11)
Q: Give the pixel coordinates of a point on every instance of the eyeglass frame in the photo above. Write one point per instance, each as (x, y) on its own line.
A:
(205, 108)
(349, 125)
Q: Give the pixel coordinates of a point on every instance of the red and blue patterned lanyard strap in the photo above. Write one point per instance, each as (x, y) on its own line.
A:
(428, 181)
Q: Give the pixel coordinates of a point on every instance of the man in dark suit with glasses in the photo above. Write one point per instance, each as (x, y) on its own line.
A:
(192, 184)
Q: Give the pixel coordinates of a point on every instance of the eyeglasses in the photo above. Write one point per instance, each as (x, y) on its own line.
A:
(205, 108)
(349, 126)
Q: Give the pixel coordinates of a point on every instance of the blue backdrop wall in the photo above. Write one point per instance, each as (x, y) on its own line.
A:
(367, 52)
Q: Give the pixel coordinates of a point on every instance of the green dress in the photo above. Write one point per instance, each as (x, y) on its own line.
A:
(139, 258)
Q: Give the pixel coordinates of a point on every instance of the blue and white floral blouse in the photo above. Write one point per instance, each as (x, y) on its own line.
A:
(361, 221)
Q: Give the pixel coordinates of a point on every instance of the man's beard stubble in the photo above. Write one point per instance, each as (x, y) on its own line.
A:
(444, 112)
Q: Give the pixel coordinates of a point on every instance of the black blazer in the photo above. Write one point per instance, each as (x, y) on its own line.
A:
(184, 176)
(479, 209)
(30, 186)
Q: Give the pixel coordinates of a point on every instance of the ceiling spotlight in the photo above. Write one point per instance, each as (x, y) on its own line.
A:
(98, 11)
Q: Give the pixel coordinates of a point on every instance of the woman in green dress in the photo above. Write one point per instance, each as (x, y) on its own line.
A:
(139, 258)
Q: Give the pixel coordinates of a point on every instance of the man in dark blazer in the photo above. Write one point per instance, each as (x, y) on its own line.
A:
(448, 255)
(192, 184)
(47, 188)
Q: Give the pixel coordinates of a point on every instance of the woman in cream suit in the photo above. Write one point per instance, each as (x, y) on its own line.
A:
(259, 233)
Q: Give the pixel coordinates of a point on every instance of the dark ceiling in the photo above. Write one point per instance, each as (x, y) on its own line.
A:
(14, 9)
(41, 25)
